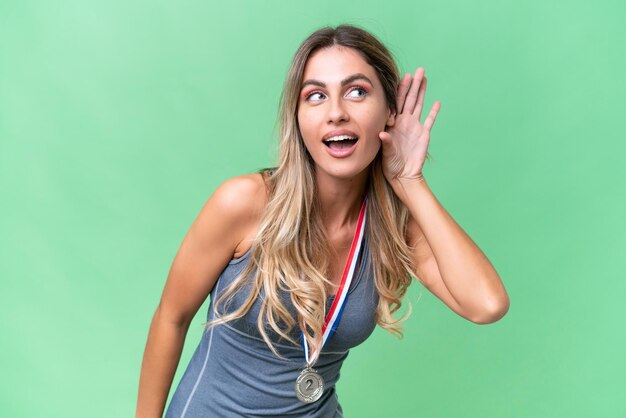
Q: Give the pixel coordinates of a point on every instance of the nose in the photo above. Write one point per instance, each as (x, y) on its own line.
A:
(337, 111)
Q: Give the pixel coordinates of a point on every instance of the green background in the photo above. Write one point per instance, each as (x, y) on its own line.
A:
(118, 119)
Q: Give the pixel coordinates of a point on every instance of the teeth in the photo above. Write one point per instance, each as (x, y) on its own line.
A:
(339, 138)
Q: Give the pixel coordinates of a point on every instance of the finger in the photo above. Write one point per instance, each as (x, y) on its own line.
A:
(411, 97)
(385, 139)
(405, 82)
(420, 99)
(430, 119)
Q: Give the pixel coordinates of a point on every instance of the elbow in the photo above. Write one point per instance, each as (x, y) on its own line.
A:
(494, 312)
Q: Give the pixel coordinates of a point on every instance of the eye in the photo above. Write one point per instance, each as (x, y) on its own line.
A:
(358, 89)
(309, 96)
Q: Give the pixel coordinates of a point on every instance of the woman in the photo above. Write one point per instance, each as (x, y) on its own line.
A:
(302, 261)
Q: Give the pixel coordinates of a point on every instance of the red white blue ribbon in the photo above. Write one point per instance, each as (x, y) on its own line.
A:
(336, 309)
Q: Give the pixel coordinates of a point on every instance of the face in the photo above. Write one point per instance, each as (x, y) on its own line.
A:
(341, 95)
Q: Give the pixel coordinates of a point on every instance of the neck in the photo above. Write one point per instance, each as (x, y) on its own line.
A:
(340, 199)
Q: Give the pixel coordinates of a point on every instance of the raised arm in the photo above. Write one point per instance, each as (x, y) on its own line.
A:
(446, 259)
(204, 253)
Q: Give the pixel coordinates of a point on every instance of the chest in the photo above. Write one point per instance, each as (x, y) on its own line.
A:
(340, 246)
(358, 318)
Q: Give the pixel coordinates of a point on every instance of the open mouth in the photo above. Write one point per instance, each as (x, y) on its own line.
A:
(340, 142)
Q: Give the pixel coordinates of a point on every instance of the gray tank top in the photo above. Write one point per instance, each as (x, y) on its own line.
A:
(233, 373)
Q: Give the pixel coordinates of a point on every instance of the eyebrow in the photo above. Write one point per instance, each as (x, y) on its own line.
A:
(347, 80)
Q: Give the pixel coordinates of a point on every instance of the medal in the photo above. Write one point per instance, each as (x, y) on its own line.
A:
(310, 384)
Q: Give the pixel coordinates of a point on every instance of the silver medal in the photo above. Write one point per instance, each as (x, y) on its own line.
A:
(309, 386)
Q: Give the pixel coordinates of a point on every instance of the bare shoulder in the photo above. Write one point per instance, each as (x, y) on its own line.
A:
(224, 222)
(243, 198)
(241, 193)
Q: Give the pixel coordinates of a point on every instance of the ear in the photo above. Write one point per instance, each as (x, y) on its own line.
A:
(391, 119)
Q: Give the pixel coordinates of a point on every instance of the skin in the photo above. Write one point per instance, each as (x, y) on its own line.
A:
(446, 260)
(359, 106)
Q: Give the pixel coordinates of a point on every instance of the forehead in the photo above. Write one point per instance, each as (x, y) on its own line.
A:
(333, 64)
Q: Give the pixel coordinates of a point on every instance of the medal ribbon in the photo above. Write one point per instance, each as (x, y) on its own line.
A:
(334, 314)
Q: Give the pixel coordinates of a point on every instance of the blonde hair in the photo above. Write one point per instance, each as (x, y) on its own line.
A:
(291, 249)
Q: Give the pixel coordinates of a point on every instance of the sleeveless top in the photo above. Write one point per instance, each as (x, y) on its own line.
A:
(233, 373)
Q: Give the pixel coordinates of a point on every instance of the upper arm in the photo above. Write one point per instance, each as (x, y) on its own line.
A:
(426, 267)
(207, 247)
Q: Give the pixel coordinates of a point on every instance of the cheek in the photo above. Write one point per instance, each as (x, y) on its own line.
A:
(304, 121)
(375, 122)
(309, 126)
(375, 145)
(304, 126)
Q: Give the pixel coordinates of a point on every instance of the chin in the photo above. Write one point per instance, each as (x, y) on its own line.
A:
(345, 171)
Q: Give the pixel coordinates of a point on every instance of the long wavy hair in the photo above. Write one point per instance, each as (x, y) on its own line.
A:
(290, 251)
